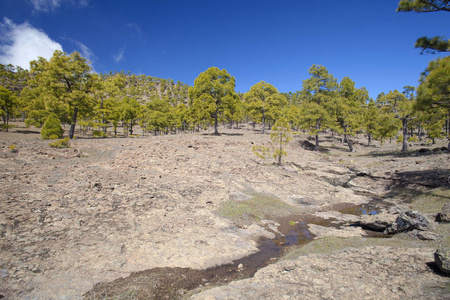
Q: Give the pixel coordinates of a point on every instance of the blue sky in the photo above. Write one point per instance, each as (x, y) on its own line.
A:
(254, 40)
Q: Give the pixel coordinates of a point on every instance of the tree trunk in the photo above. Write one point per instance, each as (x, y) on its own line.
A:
(7, 118)
(316, 148)
(346, 138)
(369, 137)
(350, 145)
(281, 150)
(216, 132)
(74, 122)
(263, 123)
(103, 118)
(405, 135)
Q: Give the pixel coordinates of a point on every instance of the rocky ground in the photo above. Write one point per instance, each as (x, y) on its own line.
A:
(104, 208)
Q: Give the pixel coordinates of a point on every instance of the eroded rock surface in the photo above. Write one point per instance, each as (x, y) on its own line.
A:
(368, 273)
(71, 218)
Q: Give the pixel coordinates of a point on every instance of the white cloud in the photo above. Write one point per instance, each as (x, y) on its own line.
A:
(119, 56)
(52, 5)
(23, 43)
(45, 5)
(85, 51)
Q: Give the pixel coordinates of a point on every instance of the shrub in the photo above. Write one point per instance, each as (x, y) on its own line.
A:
(12, 148)
(52, 128)
(98, 133)
(64, 143)
(413, 139)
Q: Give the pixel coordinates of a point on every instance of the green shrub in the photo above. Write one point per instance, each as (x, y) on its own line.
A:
(98, 133)
(64, 143)
(400, 139)
(52, 128)
(413, 139)
(12, 148)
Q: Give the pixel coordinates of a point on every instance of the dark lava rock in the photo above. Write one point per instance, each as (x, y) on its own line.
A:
(444, 215)
(408, 221)
(442, 260)
(377, 222)
(308, 145)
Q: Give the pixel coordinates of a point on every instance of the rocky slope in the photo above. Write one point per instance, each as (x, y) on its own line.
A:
(71, 218)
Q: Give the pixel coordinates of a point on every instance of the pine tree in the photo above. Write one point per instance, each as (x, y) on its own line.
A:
(318, 92)
(52, 128)
(212, 87)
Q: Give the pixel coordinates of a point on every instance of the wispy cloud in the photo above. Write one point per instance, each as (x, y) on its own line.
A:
(136, 32)
(135, 28)
(85, 51)
(52, 5)
(119, 56)
(23, 43)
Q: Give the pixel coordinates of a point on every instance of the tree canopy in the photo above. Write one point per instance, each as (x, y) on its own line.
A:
(264, 103)
(428, 45)
(423, 5)
(59, 85)
(215, 88)
(434, 89)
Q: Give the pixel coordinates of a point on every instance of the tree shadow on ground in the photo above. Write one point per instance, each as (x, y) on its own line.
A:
(426, 188)
(399, 154)
(223, 133)
(27, 131)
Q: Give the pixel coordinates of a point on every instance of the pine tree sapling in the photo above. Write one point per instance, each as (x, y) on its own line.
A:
(280, 136)
(52, 128)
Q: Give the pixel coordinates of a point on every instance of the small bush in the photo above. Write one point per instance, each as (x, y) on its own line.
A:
(12, 148)
(99, 133)
(413, 139)
(400, 139)
(64, 143)
(261, 151)
(52, 128)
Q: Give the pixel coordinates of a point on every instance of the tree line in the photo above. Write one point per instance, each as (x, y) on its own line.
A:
(64, 90)
(65, 86)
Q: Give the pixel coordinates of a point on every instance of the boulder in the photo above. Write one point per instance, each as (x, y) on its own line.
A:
(377, 222)
(308, 145)
(444, 215)
(442, 259)
(424, 235)
(408, 221)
